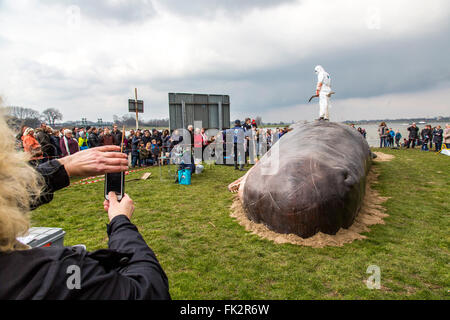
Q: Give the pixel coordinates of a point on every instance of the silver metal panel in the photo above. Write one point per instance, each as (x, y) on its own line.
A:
(201, 114)
(215, 98)
(186, 97)
(183, 115)
(171, 97)
(225, 116)
(201, 98)
(189, 115)
(186, 108)
(175, 116)
(213, 116)
(220, 116)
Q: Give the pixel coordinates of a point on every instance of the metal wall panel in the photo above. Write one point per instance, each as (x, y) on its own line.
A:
(198, 107)
(225, 116)
(215, 98)
(201, 98)
(189, 115)
(213, 116)
(186, 97)
(201, 114)
(175, 117)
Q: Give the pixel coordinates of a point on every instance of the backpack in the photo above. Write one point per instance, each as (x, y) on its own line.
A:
(184, 176)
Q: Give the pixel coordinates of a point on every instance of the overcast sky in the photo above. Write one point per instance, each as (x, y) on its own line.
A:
(387, 59)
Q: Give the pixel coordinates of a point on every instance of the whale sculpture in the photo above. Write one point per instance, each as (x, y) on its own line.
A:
(311, 180)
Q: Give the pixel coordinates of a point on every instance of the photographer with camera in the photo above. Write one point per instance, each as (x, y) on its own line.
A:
(128, 269)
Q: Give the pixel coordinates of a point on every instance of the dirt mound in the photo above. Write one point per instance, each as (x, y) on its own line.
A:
(371, 213)
(381, 157)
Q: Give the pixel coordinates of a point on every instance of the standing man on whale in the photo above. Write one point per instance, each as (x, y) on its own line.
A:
(323, 91)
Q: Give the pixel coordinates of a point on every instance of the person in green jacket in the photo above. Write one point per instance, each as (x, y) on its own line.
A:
(143, 154)
(83, 141)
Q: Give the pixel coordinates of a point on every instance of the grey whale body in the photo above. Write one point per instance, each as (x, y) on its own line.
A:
(312, 180)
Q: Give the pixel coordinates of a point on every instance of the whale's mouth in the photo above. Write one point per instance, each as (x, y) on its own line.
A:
(371, 212)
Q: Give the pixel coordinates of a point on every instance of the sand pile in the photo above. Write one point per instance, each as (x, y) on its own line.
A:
(381, 157)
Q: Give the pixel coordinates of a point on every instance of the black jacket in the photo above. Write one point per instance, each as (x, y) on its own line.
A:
(45, 140)
(55, 143)
(158, 139)
(146, 139)
(93, 140)
(117, 137)
(437, 135)
(413, 132)
(127, 270)
(426, 134)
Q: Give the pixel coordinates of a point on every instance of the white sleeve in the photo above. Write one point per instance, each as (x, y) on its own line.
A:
(320, 77)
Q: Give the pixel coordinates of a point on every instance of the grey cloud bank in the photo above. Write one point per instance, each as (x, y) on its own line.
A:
(260, 53)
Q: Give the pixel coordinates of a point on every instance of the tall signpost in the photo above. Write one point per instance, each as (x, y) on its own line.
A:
(137, 106)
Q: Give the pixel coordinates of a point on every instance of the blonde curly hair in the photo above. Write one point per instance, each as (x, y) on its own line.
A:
(19, 185)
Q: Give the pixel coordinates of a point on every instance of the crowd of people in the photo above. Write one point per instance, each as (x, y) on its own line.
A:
(416, 137)
(144, 147)
(153, 147)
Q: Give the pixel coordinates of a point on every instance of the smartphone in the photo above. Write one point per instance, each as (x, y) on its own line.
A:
(115, 182)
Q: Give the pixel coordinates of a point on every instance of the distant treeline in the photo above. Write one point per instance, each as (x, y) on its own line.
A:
(406, 120)
(18, 116)
(130, 120)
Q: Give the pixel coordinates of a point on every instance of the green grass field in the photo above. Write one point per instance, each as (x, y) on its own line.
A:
(208, 255)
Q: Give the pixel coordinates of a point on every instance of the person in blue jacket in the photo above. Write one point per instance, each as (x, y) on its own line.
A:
(135, 149)
(237, 135)
(398, 136)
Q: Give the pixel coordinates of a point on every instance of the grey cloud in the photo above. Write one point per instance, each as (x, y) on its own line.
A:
(123, 12)
(210, 7)
(399, 66)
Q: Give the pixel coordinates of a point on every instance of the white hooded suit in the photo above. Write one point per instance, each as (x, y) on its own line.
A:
(323, 89)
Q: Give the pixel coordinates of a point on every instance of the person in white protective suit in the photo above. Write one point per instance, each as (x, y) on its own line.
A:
(323, 91)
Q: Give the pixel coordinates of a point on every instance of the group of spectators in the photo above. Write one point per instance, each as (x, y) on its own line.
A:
(45, 143)
(362, 131)
(388, 136)
(426, 136)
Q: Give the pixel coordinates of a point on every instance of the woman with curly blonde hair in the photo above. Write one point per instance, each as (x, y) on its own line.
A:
(128, 269)
(19, 184)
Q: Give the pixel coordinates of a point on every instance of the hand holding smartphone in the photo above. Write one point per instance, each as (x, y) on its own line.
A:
(115, 182)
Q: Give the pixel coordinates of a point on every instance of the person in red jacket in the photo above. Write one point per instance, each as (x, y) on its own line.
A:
(107, 139)
(32, 146)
